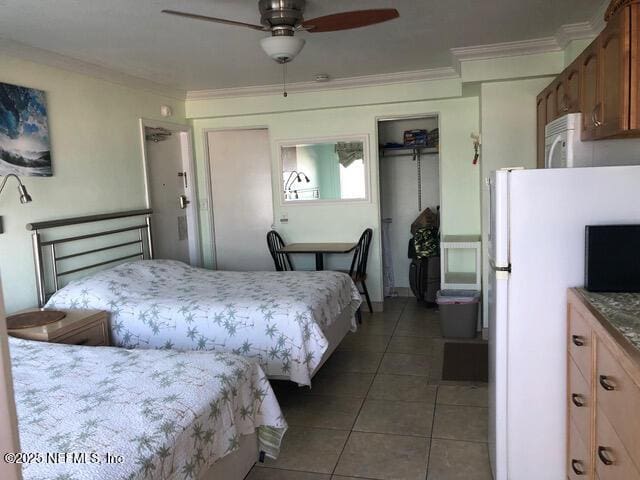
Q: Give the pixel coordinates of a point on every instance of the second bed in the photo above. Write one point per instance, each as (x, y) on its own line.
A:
(290, 322)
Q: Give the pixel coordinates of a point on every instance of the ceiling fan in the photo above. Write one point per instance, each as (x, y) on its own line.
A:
(285, 17)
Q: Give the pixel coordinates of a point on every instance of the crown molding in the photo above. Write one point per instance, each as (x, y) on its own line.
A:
(574, 31)
(337, 84)
(556, 43)
(505, 49)
(597, 20)
(63, 62)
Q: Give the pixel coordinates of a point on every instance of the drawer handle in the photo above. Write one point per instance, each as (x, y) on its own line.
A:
(577, 399)
(604, 456)
(577, 467)
(606, 384)
(578, 340)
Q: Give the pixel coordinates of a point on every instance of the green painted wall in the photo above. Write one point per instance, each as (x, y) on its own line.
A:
(97, 161)
(98, 167)
(344, 222)
(508, 138)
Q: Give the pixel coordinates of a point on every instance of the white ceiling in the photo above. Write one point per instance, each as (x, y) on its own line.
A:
(133, 37)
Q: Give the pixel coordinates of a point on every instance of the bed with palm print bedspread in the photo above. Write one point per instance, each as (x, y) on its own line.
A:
(277, 318)
(168, 415)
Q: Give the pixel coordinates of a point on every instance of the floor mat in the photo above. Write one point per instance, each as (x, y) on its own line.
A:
(466, 362)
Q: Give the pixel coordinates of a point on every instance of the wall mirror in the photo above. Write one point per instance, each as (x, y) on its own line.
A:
(327, 169)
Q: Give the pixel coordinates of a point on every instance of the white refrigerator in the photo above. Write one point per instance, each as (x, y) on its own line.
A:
(536, 252)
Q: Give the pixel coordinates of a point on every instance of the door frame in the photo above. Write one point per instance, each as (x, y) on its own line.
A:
(189, 165)
(390, 118)
(207, 178)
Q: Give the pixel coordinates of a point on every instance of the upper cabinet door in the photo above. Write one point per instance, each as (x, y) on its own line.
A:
(550, 100)
(589, 94)
(612, 109)
(541, 115)
(572, 87)
(634, 117)
(562, 103)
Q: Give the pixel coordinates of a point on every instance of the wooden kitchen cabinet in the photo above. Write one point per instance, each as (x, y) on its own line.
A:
(541, 119)
(571, 89)
(603, 395)
(551, 102)
(611, 113)
(634, 74)
(603, 83)
(589, 71)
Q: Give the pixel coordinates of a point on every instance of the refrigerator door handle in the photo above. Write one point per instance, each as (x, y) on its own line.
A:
(499, 269)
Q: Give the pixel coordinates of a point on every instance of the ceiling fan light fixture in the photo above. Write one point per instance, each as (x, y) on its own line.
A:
(282, 49)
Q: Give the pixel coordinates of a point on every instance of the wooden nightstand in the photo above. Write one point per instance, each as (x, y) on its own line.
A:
(78, 327)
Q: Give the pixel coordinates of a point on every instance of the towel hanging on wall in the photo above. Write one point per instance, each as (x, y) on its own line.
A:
(349, 152)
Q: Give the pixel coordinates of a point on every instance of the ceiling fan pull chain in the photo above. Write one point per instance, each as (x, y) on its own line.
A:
(284, 80)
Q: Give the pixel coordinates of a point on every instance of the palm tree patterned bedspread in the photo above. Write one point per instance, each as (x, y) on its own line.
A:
(160, 414)
(277, 318)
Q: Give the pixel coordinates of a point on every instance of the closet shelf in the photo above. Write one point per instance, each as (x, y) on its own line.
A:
(408, 150)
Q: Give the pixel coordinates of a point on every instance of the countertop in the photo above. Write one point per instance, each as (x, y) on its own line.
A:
(620, 310)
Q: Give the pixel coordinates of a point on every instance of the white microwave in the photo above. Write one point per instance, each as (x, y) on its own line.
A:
(562, 145)
(564, 149)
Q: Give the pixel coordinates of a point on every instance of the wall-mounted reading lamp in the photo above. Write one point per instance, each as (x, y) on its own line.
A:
(293, 177)
(22, 190)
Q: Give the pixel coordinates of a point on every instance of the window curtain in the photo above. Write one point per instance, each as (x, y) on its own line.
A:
(349, 152)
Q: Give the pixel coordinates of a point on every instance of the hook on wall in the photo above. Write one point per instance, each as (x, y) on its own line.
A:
(477, 142)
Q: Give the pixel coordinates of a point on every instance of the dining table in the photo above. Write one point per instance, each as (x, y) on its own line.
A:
(318, 249)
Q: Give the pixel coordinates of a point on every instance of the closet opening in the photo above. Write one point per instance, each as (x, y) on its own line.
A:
(409, 162)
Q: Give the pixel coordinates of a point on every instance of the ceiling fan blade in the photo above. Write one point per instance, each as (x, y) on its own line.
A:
(216, 20)
(348, 20)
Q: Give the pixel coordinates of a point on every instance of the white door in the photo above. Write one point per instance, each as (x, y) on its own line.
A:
(171, 195)
(242, 199)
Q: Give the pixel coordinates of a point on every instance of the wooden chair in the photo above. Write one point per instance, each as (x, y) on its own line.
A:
(281, 260)
(358, 270)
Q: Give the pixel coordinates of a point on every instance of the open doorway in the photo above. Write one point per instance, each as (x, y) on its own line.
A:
(171, 191)
(409, 185)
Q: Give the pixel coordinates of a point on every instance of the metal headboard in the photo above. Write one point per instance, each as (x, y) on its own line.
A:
(40, 246)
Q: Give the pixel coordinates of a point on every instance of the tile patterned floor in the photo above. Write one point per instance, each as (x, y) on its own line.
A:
(379, 410)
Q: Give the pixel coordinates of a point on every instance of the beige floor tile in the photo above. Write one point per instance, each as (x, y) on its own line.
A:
(365, 343)
(378, 324)
(429, 328)
(321, 411)
(278, 474)
(460, 423)
(384, 457)
(407, 388)
(400, 418)
(340, 477)
(339, 384)
(420, 311)
(405, 364)
(436, 358)
(415, 345)
(454, 460)
(468, 395)
(352, 362)
(392, 303)
(309, 450)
